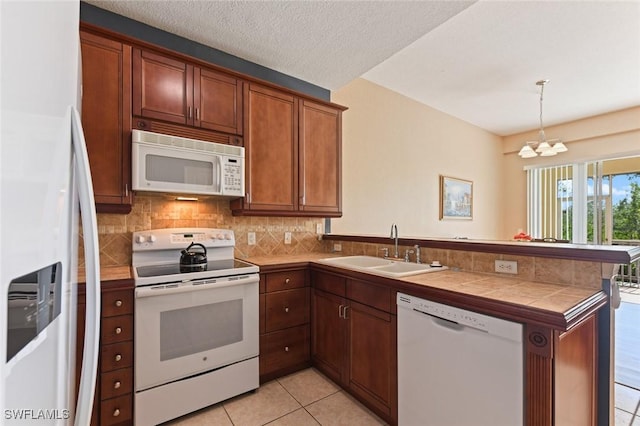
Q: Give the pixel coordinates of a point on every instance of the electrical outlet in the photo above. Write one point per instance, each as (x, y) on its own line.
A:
(318, 228)
(507, 266)
(251, 238)
(287, 237)
(337, 247)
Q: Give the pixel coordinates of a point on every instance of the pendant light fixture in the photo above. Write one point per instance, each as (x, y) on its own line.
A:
(542, 146)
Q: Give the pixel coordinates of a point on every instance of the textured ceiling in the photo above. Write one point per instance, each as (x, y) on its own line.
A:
(476, 61)
(327, 43)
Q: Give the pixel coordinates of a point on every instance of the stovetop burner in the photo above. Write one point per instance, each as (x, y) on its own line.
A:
(158, 253)
(174, 268)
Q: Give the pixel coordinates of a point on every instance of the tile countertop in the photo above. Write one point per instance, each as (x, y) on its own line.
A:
(558, 300)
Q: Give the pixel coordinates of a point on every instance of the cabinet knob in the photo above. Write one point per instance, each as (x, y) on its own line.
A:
(286, 348)
(118, 330)
(118, 303)
(118, 357)
(287, 280)
(116, 412)
(286, 309)
(117, 385)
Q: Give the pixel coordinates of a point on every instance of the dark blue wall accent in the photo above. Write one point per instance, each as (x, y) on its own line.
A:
(120, 24)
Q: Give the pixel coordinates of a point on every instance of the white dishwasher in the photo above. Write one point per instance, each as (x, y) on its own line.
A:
(457, 367)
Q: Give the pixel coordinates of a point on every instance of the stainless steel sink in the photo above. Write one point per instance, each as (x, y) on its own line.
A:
(380, 266)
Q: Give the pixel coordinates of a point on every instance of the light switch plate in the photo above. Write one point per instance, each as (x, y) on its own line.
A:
(318, 228)
(287, 237)
(251, 238)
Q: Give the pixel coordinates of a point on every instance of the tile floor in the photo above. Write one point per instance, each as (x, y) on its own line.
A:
(300, 399)
(627, 406)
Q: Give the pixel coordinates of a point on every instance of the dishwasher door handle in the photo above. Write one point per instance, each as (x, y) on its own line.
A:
(443, 322)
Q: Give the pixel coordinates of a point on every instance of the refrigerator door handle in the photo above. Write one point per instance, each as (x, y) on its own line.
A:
(86, 392)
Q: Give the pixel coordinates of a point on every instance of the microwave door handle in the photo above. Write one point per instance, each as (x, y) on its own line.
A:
(220, 174)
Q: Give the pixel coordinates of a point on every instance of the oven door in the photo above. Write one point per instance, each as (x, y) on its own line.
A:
(182, 329)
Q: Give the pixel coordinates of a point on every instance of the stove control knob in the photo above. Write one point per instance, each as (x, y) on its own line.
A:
(220, 236)
(151, 238)
(227, 237)
(140, 239)
(212, 236)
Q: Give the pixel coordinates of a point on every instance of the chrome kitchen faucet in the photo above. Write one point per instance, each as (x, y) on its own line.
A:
(394, 236)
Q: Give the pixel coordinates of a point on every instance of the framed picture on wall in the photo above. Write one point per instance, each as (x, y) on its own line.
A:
(456, 198)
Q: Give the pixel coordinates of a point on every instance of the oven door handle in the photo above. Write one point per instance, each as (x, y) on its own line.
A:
(191, 286)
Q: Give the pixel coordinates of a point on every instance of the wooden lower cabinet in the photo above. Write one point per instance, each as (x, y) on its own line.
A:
(354, 343)
(113, 400)
(284, 323)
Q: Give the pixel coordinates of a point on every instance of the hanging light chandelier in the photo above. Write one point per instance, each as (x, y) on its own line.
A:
(543, 146)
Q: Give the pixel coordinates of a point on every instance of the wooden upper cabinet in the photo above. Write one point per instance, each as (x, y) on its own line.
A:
(320, 158)
(293, 156)
(162, 87)
(271, 144)
(106, 119)
(175, 91)
(217, 101)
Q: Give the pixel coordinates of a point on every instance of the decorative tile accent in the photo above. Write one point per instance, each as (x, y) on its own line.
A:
(159, 211)
(554, 270)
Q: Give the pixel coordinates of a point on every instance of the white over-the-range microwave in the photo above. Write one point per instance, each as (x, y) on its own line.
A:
(176, 165)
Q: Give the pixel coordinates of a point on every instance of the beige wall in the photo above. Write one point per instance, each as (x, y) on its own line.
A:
(607, 136)
(394, 150)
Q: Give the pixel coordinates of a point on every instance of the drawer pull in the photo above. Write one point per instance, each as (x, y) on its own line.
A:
(286, 348)
(117, 385)
(286, 309)
(118, 330)
(118, 357)
(287, 280)
(116, 412)
(118, 303)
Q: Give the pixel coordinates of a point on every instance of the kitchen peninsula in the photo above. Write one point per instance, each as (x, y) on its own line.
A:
(561, 294)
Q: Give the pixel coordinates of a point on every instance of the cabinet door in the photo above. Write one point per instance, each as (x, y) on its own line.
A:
(271, 154)
(106, 119)
(372, 362)
(287, 308)
(217, 101)
(320, 158)
(162, 88)
(328, 335)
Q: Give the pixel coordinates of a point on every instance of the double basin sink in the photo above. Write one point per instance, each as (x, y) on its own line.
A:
(381, 266)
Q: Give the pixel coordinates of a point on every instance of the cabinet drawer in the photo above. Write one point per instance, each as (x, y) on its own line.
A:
(285, 348)
(116, 383)
(277, 281)
(116, 410)
(372, 295)
(328, 282)
(118, 302)
(287, 308)
(117, 355)
(116, 329)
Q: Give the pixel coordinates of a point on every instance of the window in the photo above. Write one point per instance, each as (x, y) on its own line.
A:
(596, 202)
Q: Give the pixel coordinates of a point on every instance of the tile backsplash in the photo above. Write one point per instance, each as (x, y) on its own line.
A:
(160, 211)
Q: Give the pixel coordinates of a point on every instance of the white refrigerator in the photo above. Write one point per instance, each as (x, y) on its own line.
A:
(44, 180)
